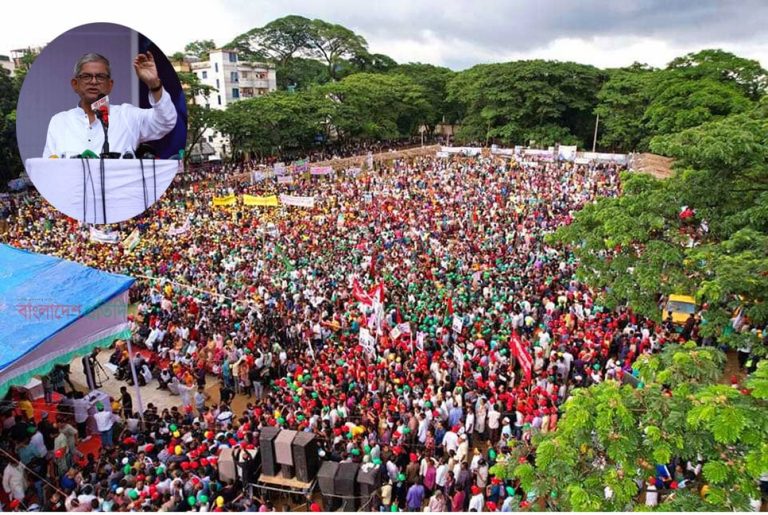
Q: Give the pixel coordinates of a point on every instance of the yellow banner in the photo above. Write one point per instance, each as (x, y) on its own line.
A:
(229, 200)
(250, 200)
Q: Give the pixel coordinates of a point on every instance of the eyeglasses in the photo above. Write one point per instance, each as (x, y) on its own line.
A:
(90, 77)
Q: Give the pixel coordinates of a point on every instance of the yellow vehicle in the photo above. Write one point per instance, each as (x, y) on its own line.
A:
(681, 307)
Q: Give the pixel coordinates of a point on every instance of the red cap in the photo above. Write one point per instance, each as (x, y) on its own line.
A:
(314, 507)
(475, 489)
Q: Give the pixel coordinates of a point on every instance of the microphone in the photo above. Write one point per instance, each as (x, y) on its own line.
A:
(101, 109)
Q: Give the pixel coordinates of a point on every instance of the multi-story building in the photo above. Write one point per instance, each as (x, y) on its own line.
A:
(232, 80)
(6, 65)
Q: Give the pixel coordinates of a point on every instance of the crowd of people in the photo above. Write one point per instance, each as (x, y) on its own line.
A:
(443, 262)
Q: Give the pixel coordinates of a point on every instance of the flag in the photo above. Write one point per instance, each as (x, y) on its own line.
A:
(449, 302)
(420, 340)
(521, 353)
(458, 324)
(374, 295)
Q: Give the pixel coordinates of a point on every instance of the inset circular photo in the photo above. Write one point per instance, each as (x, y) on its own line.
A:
(101, 123)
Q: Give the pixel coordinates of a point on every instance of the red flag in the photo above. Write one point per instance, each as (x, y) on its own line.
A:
(450, 305)
(521, 353)
(360, 294)
(398, 318)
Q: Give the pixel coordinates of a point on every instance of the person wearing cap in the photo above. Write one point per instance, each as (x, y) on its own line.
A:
(105, 421)
(476, 502)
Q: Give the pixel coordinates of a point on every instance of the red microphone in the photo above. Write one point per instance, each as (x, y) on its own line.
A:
(101, 109)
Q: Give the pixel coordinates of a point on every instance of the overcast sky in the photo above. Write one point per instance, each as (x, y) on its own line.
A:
(453, 33)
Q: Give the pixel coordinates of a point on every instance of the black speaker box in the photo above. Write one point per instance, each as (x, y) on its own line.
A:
(306, 462)
(346, 485)
(267, 450)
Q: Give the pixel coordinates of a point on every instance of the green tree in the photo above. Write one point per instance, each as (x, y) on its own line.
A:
(200, 48)
(273, 123)
(514, 102)
(745, 74)
(331, 43)
(622, 102)
(10, 163)
(611, 436)
(376, 106)
(635, 248)
(434, 80)
(278, 41)
(300, 73)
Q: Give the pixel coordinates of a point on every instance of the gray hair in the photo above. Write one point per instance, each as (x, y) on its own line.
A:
(91, 58)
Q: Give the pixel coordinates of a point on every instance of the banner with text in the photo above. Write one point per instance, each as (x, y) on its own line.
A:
(229, 200)
(291, 200)
(251, 200)
(321, 170)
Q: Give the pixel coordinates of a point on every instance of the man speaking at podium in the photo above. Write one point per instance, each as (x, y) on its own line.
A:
(72, 132)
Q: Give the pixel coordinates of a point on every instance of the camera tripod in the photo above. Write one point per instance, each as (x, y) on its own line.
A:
(100, 375)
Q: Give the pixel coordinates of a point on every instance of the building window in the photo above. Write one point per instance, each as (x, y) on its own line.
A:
(205, 74)
(244, 75)
(207, 106)
(233, 76)
(219, 96)
(216, 67)
(232, 57)
(217, 84)
(235, 93)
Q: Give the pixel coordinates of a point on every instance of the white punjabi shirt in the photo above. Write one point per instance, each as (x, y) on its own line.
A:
(70, 134)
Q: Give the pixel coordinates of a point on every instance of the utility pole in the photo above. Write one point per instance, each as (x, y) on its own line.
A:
(594, 140)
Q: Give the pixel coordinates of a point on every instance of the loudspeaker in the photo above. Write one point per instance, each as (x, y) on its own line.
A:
(346, 485)
(283, 451)
(267, 450)
(305, 458)
(369, 481)
(326, 479)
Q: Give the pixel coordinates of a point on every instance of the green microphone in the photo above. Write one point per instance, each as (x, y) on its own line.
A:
(89, 154)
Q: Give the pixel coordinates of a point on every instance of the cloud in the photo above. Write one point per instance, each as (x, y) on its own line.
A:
(455, 33)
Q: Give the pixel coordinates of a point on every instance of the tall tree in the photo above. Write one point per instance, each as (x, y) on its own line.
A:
(376, 106)
(331, 43)
(434, 80)
(622, 102)
(637, 247)
(515, 102)
(278, 41)
(745, 74)
(200, 48)
(10, 163)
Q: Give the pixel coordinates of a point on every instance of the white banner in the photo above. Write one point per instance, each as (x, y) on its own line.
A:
(405, 327)
(368, 342)
(321, 170)
(458, 324)
(442, 154)
(257, 176)
(174, 231)
(465, 151)
(459, 357)
(104, 237)
(279, 169)
(395, 333)
(131, 241)
(291, 200)
(285, 179)
(420, 336)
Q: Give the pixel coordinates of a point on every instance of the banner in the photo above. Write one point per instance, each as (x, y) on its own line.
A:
(368, 342)
(459, 357)
(300, 166)
(442, 154)
(458, 324)
(374, 295)
(285, 179)
(251, 200)
(104, 237)
(291, 200)
(132, 240)
(175, 231)
(353, 172)
(420, 336)
(257, 176)
(521, 353)
(229, 200)
(279, 169)
(405, 327)
(464, 151)
(321, 170)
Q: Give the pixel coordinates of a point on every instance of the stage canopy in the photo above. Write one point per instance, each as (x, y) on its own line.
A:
(52, 311)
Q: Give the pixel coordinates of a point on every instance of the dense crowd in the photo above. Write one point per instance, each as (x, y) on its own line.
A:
(270, 302)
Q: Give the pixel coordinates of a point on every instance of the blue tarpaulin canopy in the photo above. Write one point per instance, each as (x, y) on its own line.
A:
(52, 311)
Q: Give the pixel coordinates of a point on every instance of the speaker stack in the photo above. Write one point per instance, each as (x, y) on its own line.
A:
(369, 481)
(284, 452)
(267, 450)
(326, 480)
(346, 485)
(306, 462)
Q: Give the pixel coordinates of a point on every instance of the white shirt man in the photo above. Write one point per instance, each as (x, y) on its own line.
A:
(73, 131)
